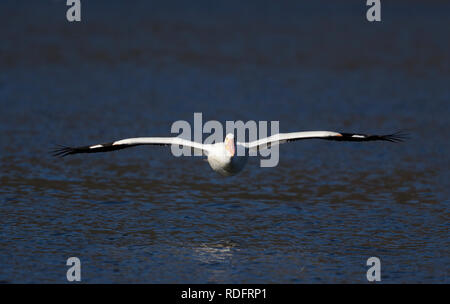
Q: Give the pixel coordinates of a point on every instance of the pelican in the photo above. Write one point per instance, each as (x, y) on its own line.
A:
(222, 156)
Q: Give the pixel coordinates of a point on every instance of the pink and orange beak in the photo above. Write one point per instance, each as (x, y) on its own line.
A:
(229, 146)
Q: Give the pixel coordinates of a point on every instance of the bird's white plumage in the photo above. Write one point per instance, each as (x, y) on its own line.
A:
(222, 156)
(283, 137)
(163, 141)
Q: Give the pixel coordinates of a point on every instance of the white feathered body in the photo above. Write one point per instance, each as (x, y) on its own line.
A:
(223, 163)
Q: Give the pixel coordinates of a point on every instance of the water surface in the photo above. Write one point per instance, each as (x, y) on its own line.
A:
(143, 216)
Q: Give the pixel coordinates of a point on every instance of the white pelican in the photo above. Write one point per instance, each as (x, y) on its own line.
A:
(222, 157)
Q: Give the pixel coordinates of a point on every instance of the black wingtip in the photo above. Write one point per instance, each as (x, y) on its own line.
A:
(396, 137)
(62, 151)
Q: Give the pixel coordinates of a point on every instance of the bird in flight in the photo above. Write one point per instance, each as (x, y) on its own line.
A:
(222, 156)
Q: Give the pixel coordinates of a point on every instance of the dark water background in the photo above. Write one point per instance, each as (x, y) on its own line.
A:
(133, 68)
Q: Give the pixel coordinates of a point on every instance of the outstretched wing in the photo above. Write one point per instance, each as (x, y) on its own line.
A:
(62, 151)
(327, 135)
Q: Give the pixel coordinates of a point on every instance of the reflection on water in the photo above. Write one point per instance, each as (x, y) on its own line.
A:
(143, 216)
(219, 257)
(216, 253)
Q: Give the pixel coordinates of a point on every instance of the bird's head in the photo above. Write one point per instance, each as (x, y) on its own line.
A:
(230, 145)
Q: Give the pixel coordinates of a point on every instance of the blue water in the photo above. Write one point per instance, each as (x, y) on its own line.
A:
(143, 216)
